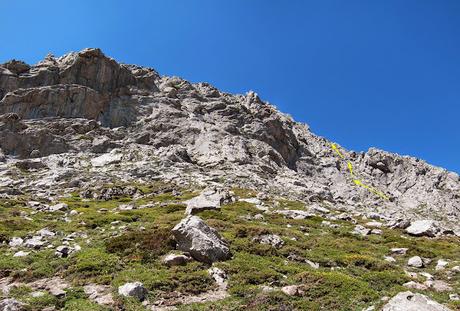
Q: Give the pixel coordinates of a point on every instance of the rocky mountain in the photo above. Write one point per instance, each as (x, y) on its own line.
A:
(83, 128)
(85, 104)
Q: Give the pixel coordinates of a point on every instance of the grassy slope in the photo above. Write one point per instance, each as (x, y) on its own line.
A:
(353, 274)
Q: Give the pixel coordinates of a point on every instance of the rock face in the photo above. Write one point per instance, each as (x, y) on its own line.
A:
(203, 243)
(408, 301)
(72, 112)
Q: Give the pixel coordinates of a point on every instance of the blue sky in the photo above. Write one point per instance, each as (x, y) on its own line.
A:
(361, 73)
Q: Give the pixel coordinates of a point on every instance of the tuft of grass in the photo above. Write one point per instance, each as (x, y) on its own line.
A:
(244, 193)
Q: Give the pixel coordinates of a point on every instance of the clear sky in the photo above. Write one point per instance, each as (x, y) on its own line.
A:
(361, 73)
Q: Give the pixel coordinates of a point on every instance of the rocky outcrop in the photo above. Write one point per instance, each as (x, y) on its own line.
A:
(86, 84)
(60, 100)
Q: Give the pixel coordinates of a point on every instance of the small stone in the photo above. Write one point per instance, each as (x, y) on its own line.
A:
(15, 242)
(410, 274)
(376, 231)
(126, 207)
(135, 289)
(34, 242)
(269, 239)
(360, 230)
(35, 153)
(258, 217)
(427, 276)
(176, 260)
(219, 276)
(267, 289)
(21, 254)
(415, 262)
(292, 290)
(399, 251)
(45, 233)
(454, 297)
(312, 264)
(58, 207)
(37, 294)
(389, 259)
(73, 212)
(374, 224)
(441, 265)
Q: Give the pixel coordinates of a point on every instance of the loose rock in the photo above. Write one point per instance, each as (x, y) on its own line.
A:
(415, 262)
(269, 239)
(203, 243)
(176, 260)
(135, 289)
(423, 228)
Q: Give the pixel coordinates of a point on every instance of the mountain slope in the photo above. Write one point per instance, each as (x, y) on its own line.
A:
(200, 128)
(99, 161)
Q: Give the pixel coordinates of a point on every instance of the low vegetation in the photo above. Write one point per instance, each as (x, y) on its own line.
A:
(119, 246)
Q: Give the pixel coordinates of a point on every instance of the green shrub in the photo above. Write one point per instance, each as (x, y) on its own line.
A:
(95, 261)
(147, 245)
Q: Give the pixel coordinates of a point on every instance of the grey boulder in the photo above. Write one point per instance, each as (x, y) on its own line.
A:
(423, 228)
(203, 243)
(207, 200)
(408, 301)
